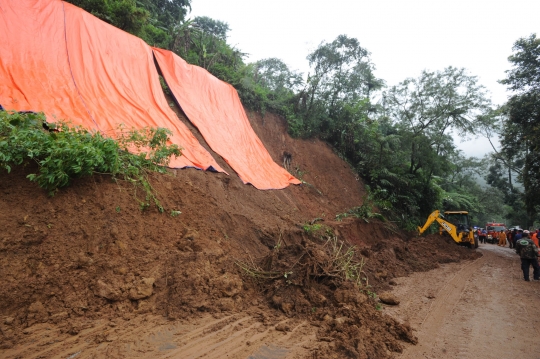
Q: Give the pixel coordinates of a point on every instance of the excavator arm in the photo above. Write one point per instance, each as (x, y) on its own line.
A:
(432, 218)
(463, 237)
(451, 229)
(447, 226)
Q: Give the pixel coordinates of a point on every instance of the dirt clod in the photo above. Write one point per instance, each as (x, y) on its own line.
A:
(283, 327)
(388, 298)
(108, 291)
(143, 289)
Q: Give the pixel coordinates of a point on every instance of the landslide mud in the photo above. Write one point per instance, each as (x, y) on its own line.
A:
(86, 273)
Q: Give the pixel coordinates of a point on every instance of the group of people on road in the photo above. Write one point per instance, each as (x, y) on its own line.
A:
(526, 245)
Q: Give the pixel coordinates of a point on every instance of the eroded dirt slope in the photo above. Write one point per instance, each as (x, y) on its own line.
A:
(86, 272)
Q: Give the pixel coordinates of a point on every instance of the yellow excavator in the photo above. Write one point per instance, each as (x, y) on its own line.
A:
(456, 224)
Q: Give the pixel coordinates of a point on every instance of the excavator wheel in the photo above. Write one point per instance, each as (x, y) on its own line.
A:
(475, 242)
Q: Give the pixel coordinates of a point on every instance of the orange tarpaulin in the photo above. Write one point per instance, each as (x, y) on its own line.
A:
(59, 59)
(34, 67)
(215, 108)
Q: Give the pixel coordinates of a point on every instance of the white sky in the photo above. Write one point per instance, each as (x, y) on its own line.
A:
(403, 36)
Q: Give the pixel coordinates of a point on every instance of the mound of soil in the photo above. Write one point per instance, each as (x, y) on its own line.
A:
(89, 252)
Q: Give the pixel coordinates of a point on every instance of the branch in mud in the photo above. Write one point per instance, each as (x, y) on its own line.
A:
(302, 263)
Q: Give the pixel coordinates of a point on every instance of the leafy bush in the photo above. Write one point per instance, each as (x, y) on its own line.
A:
(65, 152)
(366, 211)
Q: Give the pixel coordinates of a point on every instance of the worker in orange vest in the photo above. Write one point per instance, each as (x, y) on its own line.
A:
(534, 238)
(502, 239)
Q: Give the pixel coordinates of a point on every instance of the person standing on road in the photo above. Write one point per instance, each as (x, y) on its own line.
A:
(502, 239)
(528, 252)
(534, 238)
(516, 236)
(510, 239)
(483, 235)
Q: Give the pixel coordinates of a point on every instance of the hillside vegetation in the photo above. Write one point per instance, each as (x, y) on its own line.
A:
(398, 139)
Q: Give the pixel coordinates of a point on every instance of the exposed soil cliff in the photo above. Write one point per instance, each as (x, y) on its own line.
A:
(89, 253)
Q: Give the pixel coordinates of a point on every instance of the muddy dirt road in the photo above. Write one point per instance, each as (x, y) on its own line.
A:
(480, 309)
(472, 309)
(233, 336)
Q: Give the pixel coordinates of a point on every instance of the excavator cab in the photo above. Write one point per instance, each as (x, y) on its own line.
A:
(460, 219)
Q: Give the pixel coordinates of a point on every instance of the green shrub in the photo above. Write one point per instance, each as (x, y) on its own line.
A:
(65, 152)
(365, 211)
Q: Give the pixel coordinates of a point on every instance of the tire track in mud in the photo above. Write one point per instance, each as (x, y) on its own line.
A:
(42, 345)
(234, 336)
(443, 305)
(241, 339)
(195, 345)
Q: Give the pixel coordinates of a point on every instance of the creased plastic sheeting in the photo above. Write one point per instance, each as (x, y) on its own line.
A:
(215, 108)
(34, 67)
(65, 62)
(117, 78)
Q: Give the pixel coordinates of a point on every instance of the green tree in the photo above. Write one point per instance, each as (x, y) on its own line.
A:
(274, 75)
(490, 206)
(511, 195)
(124, 14)
(202, 42)
(270, 84)
(212, 27)
(525, 76)
(523, 110)
(337, 91)
(166, 13)
(151, 20)
(422, 169)
(430, 107)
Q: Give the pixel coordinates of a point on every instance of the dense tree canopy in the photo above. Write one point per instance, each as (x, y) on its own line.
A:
(151, 20)
(400, 140)
(521, 131)
(427, 108)
(525, 76)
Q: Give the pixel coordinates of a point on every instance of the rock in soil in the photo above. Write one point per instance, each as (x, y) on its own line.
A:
(388, 298)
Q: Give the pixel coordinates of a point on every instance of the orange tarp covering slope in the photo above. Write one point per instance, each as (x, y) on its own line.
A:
(34, 67)
(215, 108)
(59, 59)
